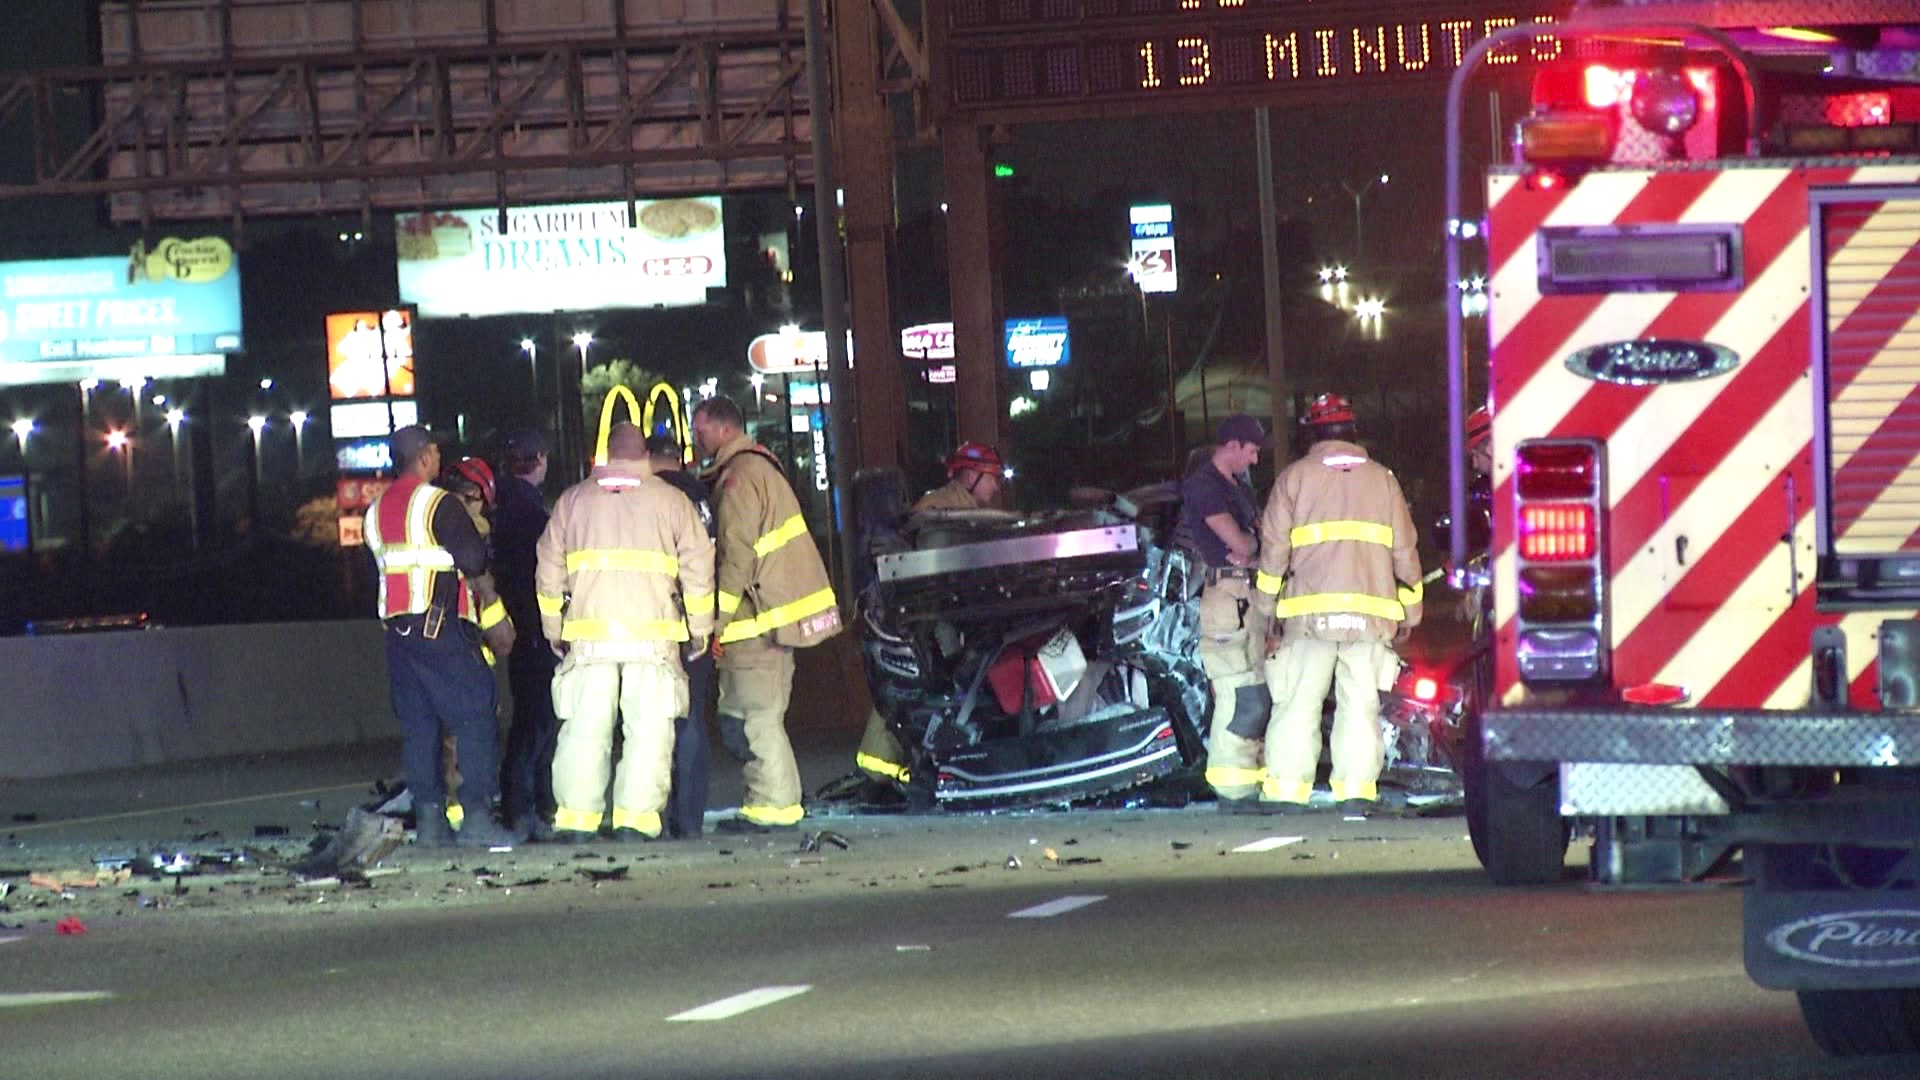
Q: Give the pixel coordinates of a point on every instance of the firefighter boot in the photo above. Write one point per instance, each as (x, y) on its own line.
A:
(431, 828)
(482, 830)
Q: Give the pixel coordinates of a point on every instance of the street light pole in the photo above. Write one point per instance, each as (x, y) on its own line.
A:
(1359, 247)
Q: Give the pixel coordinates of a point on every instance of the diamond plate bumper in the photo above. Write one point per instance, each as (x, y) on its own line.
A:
(1704, 737)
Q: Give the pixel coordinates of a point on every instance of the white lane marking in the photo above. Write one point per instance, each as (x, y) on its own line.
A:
(1268, 844)
(51, 997)
(1055, 907)
(15, 937)
(739, 1003)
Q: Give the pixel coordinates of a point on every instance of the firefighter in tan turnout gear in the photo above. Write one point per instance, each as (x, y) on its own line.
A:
(774, 596)
(1337, 547)
(1218, 521)
(623, 577)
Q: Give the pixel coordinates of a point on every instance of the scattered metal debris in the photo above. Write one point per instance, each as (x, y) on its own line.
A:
(1179, 845)
(813, 841)
(611, 873)
(269, 830)
(364, 840)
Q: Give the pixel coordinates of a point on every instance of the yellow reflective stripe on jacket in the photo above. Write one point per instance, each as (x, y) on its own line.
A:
(773, 815)
(486, 653)
(1268, 583)
(880, 766)
(793, 527)
(698, 603)
(1340, 604)
(774, 618)
(729, 603)
(622, 630)
(493, 615)
(624, 560)
(1327, 532)
(1414, 593)
(550, 605)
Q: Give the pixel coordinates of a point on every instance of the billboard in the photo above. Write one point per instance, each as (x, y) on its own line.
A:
(561, 258)
(171, 311)
(370, 354)
(792, 352)
(366, 419)
(1038, 343)
(930, 342)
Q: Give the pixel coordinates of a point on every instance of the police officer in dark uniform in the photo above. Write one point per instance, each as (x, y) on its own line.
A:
(687, 805)
(519, 517)
(1219, 520)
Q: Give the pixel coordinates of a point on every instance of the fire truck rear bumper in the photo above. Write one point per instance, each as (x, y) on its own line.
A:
(1626, 761)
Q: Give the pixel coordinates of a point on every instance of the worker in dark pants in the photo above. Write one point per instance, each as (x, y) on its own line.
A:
(519, 517)
(426, 551)
(692, 755)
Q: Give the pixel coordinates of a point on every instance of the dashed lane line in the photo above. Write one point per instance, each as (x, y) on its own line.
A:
(1055, 907)
(51, 997)
(1268, 844)
(739, 1003)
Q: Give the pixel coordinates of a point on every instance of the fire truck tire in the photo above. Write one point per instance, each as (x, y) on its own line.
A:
(1516, 828)
(1854, 1023)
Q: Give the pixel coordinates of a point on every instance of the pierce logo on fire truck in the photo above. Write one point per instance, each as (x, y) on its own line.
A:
(1852, 939)
(1644, 363)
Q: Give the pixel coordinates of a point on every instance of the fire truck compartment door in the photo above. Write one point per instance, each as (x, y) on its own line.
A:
(1705, 511)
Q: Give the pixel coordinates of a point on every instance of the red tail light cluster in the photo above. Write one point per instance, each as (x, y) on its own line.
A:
(1559, 515)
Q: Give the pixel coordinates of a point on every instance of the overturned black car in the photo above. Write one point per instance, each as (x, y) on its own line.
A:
(1030, 659)
(1050, 658)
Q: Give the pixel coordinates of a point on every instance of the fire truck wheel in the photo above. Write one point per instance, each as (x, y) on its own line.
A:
(1516, 829)
(1852, 1023)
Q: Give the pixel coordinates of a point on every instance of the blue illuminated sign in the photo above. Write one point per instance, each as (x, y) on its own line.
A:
(1037, 343)
(16, 532)
(169, 311)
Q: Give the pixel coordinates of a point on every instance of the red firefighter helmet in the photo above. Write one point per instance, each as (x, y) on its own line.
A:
(978, 457)
(1329, 409)
(475, 473)
(1479, 428)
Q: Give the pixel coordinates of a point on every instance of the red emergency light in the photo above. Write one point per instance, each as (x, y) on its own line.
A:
(1556, 532)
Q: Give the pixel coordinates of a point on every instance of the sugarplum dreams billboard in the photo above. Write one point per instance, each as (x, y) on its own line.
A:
(170, 311)
(580, 257)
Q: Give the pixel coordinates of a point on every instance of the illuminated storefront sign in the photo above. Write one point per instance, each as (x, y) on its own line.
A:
(561, 258)
(169, 311)
(1150, 256)
(792, 352)
(367, 419)
(931, 343)
(1037, 343)
(370, 354)
(1075, 50)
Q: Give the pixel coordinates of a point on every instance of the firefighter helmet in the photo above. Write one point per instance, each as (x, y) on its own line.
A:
(973, 456)
(474, 474)
(1328, 409)
(1479, 428)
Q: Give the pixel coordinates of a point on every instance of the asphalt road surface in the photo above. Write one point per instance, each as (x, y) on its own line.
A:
(1136, 943)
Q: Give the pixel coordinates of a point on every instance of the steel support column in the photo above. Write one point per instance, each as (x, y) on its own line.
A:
(865, 142)
(973, 275)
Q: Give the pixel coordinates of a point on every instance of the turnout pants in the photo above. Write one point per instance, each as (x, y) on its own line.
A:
(756, 682)
(441, 686)
(1299, 675)
(1232, 639)
(646, 696)
(687, 805)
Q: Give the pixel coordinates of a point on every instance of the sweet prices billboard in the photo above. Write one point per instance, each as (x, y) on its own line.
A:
(169, 311)
(561, 258)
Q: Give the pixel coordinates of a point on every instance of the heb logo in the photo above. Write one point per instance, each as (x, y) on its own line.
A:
(1645, 363)
(1852, 939)
(678, 266)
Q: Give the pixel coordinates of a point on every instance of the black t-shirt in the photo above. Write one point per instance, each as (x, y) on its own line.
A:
(1205, 493)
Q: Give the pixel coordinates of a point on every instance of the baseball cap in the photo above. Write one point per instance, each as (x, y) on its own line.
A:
(526, 444)
(407, 443)
(1242, 428)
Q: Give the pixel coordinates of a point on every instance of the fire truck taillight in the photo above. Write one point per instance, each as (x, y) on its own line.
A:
(1559, 518)
(1556, 532)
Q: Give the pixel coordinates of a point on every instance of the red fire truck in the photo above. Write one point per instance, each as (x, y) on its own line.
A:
(1704, 343)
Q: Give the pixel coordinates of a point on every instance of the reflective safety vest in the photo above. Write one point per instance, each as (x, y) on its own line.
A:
(399, 532)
